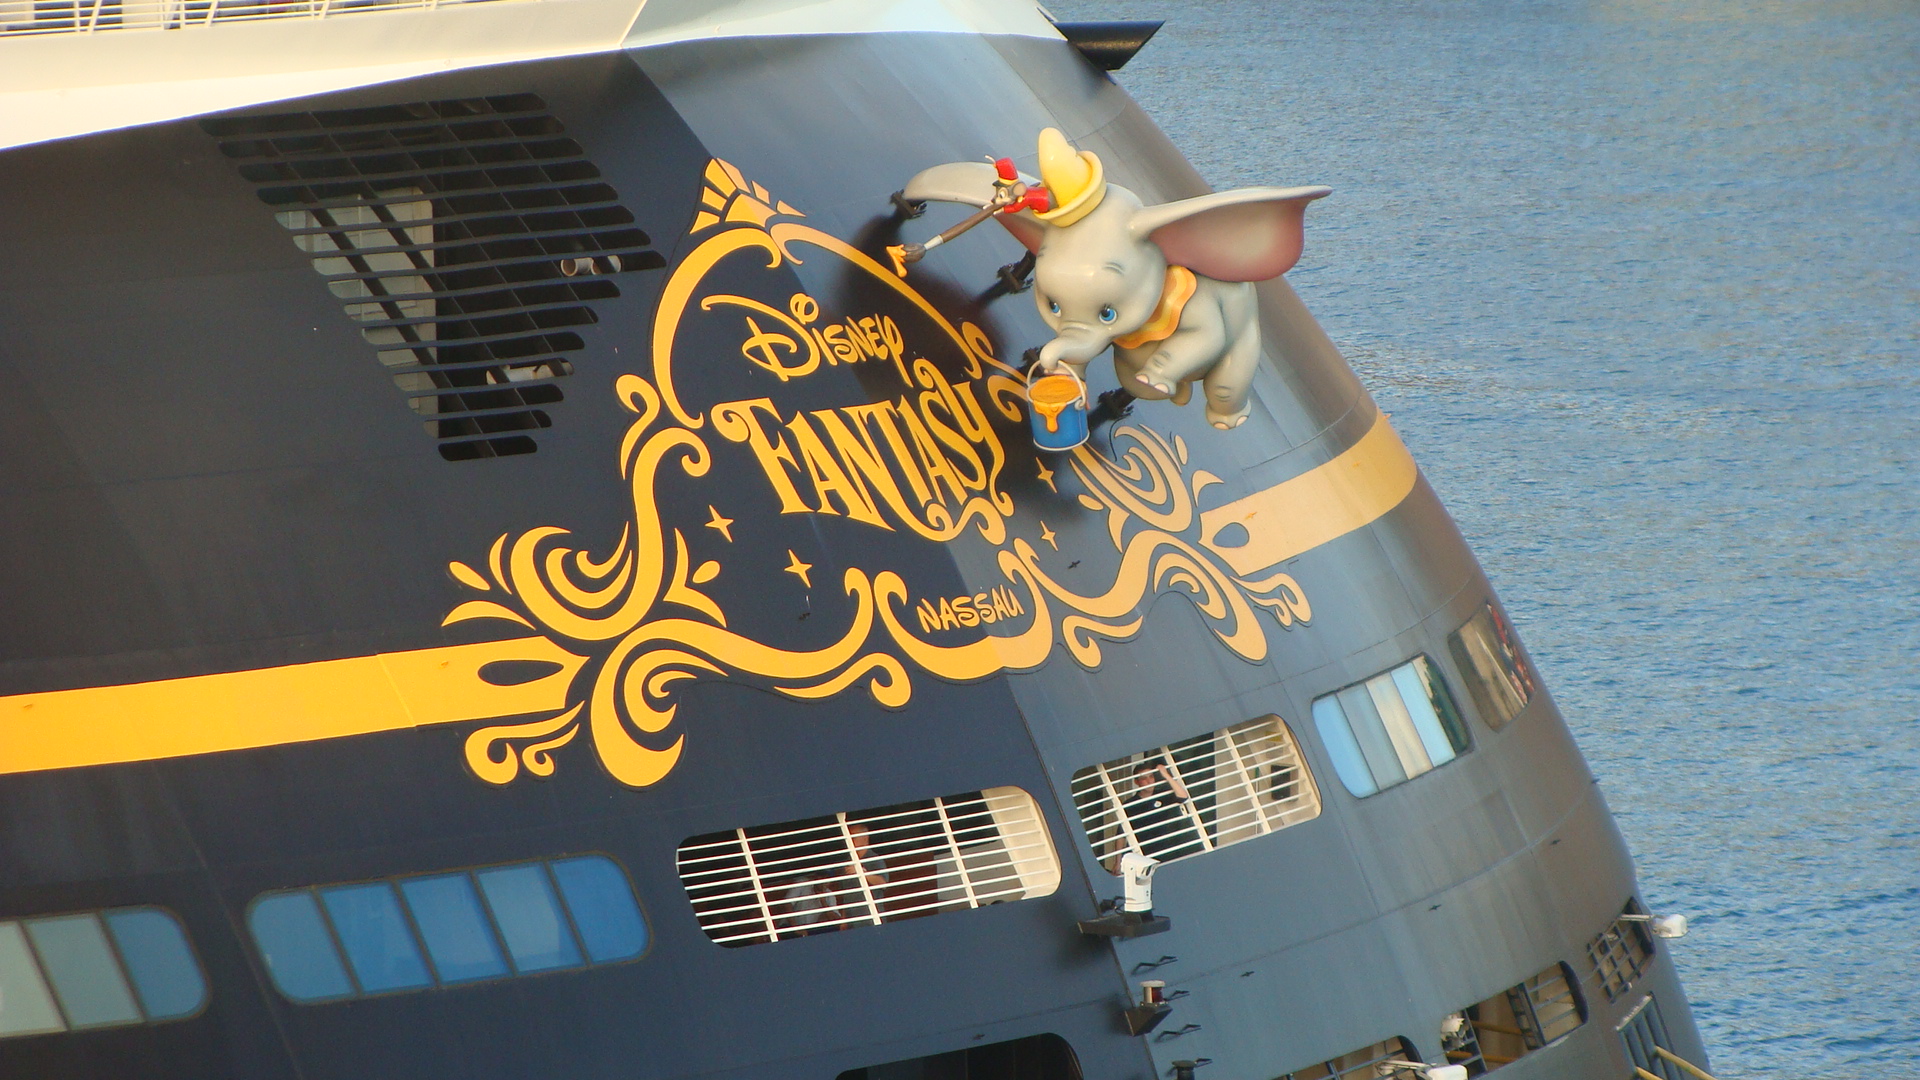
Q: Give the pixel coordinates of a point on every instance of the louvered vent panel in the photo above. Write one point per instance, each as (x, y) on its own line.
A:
(468, 238)
(801, 878)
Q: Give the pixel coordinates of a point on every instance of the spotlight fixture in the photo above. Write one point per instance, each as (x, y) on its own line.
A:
(1663, 926)
(1132, 914)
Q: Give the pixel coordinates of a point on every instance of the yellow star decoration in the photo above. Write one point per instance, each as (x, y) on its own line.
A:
(1046, 477)
(722, 525)
(799, 569)
(1048, 535)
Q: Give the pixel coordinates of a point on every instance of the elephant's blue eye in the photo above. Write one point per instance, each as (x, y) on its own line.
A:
(1107, 314)
(1053, 306)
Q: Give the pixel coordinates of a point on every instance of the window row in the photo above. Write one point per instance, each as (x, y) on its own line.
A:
(442, 929)
(795, 879)
(866, 867)
(1480, 1038)
(96, 969)
(1403, 722)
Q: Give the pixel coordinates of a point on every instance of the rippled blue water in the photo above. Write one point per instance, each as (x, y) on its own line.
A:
(1640, 283)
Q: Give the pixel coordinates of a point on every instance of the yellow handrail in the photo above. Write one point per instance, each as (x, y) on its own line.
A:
(1697, 1072)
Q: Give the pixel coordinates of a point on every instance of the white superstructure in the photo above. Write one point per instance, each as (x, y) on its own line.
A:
(82, 66)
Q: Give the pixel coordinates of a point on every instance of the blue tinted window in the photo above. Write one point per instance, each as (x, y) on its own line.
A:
(458, 936)
(26, 1006)
(1342, 748)
(299, 952)
(155, 952)
(604, 910)
(338, 941)
(1390, 728)
(1370, 731)
(375, 935)
(79, 963)
(529, 919)
(1413, 691)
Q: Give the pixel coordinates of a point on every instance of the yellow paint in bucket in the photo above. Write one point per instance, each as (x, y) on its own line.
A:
(1053, 395)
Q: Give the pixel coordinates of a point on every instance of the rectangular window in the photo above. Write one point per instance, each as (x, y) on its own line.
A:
(528, 913)
(1515, 1022)
(1620, 954)
(340, 941)
(458, 935)
(1487, 652)
(96, 969)
(300, 952)
(80, 964)
(158, 959)
(376, 938)
(602, 905)
(1390, 728)
(1196, 795)
(26, 1005)
(860, 868)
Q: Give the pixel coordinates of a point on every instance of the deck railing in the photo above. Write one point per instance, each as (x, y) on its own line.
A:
(26, 17)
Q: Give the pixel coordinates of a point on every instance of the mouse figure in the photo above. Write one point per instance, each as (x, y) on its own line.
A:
(1169, 286)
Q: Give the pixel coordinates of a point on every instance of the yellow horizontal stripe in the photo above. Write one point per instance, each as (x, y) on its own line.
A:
(1355, 489)
(331, 699)
(239, 710)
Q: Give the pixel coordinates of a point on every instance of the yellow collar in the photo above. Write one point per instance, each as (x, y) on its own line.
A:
(1174, 295)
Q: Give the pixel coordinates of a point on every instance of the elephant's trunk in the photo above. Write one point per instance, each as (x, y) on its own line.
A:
(1074, 345)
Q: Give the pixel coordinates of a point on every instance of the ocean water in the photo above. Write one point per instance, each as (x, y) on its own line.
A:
(1639, 281)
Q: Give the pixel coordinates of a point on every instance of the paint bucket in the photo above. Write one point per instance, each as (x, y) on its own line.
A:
(1057, 408)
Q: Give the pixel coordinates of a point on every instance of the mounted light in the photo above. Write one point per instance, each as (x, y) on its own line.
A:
(1663, 926)
(1132, 914)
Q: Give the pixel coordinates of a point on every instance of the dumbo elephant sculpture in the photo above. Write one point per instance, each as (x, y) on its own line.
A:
(1168, 286)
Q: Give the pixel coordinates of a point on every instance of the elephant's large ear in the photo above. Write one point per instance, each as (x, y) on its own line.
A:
(971, 183)
(1247, 234)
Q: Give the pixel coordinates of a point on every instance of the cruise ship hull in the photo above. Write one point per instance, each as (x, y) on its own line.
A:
(274, 623)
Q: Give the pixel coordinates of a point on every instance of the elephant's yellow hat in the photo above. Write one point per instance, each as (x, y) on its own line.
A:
(1076, 180)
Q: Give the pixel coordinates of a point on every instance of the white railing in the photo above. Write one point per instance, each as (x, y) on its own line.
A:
(867, 867)
(27, 17)
(1240, 782)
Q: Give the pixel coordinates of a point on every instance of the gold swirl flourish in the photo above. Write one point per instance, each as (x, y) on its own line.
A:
(612, 600)
(608, 606)
(503, 767)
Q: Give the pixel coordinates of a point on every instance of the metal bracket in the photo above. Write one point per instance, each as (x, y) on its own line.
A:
(1126, 924)
(1144, 1018)
(904, 208)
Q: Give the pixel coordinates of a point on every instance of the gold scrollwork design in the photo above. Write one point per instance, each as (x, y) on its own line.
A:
(640, 614)
(611, 607)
